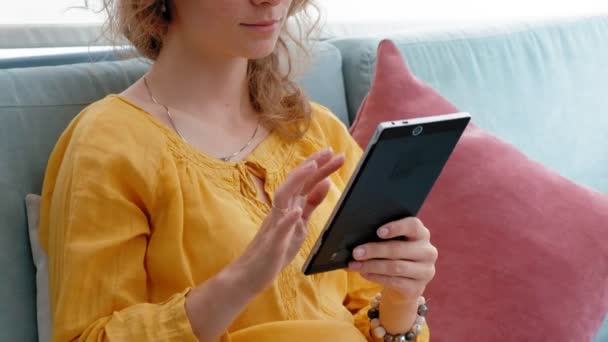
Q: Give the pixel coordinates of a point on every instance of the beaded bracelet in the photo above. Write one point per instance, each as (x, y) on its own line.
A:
(378, 331)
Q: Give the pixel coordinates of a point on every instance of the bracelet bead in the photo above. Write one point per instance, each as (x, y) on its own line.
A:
(398, 338)
(373, 313)
(422, 310)
(378, 330)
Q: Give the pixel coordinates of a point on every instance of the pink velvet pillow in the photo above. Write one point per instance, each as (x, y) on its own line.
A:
(523, 252)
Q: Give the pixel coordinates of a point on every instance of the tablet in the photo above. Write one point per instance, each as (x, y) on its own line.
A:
(393, 178)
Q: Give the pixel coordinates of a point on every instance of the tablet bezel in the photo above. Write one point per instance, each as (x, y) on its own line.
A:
(385, 130)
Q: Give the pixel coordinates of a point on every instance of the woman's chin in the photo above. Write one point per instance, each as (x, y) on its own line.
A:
(259, 50)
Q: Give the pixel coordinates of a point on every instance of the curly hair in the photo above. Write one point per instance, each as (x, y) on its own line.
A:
(272, 88)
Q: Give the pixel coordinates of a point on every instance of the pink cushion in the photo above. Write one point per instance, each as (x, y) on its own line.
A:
(523, 252)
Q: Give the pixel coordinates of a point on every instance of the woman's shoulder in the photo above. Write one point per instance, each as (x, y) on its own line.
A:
(111, 129)
(325, 118)
(327, 126)
(330, 131)
(113, 123)
(113, 118)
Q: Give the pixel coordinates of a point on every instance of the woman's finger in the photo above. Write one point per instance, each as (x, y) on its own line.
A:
(395, 268)
(315, 197)
(297, 238)
(291, 188)
(410, 227)
(322, 157)
(332, 165)
(405, 284)
(419, 250)
(286, 224)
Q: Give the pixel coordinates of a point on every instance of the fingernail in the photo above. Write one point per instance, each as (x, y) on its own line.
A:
(359, 251)
(354, 265)
(382, 232)
(323, 152)
(310, 164)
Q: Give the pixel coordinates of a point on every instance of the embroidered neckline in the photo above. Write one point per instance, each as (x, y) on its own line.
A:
(264, 154)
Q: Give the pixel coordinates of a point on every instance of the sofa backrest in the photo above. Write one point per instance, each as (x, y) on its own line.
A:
(36, 104)
(542, 87)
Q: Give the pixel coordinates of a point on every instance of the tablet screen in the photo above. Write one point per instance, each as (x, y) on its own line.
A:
(392, 183)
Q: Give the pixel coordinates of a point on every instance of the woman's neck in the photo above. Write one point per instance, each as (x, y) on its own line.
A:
(213, 86)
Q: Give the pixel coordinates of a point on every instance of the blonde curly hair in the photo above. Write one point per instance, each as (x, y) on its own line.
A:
(272, 89)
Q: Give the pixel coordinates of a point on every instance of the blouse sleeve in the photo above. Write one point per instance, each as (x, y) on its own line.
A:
(94, 227)
(360, 291)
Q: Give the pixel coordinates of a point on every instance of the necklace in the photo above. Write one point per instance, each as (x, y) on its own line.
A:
(225, 159)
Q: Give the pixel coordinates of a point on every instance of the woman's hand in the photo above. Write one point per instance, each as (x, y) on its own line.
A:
(213, 305)
(285, 228)
(403, 267)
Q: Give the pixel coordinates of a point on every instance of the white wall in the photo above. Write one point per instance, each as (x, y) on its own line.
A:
(56, 11)
(27, 24)
(347, 10)
(45, 12)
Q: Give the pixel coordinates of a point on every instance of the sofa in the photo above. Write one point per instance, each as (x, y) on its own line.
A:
(541, 86)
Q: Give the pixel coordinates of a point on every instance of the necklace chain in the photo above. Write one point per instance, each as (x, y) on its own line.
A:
(227, 158)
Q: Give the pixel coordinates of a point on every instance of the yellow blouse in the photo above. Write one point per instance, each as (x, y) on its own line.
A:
(133, 217)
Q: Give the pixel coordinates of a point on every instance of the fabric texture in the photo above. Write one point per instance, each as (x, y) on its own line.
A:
(523, 253)
(127, 205)
(43, 305)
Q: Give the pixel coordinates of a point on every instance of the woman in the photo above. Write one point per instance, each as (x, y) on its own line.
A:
(183, 208)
